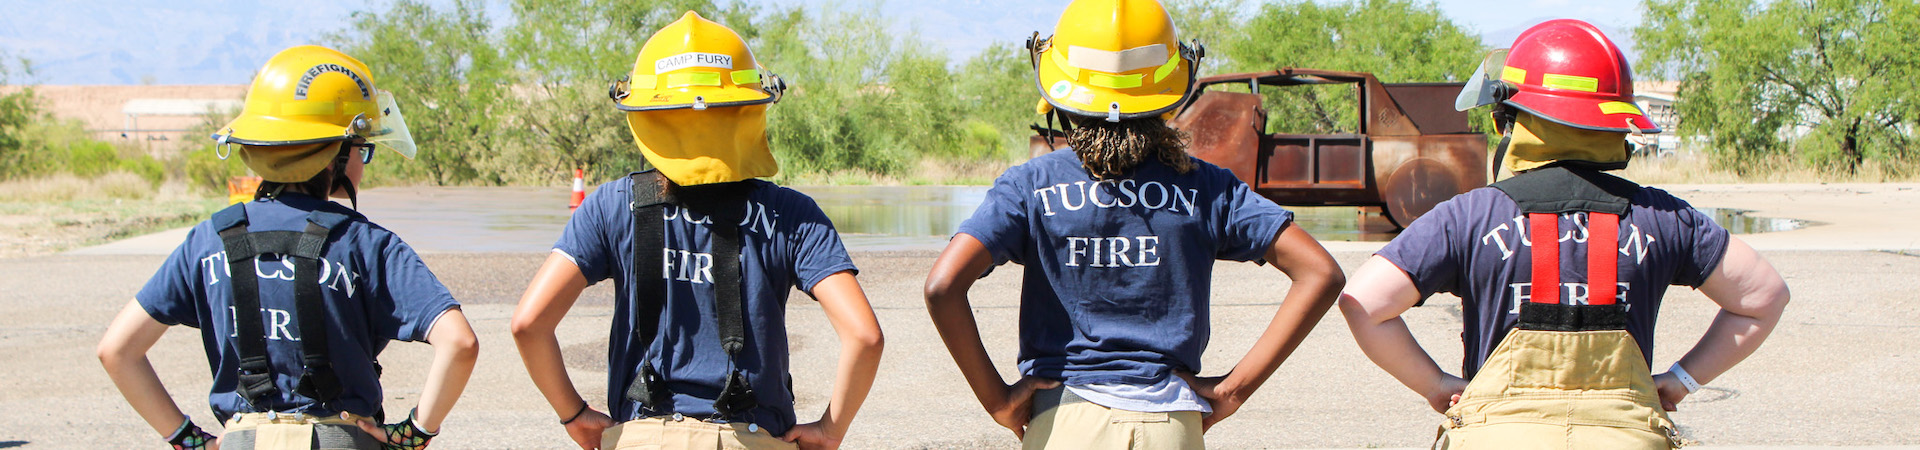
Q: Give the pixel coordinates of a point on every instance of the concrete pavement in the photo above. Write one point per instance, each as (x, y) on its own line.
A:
(1839, 371)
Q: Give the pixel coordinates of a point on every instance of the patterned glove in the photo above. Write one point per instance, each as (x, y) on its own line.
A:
(406, 435)
(189, 437)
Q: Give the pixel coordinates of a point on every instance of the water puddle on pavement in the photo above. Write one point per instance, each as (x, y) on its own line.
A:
(922, 217)
(869, 218)
(1737, 221)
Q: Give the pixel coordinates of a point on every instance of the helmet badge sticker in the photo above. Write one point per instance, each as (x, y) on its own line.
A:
(692, 59)
(300, 90)
(1060, 89)
(1082, 95)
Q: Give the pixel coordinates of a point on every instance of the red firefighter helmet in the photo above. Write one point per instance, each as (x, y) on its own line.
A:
(1566, 71)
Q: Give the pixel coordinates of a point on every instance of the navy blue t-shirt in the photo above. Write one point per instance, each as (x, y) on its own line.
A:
(375, 287)
(1117, 272)
(786, 242)
(1476, 246)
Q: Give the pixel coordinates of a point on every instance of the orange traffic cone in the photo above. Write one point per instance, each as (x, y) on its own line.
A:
(579, 189)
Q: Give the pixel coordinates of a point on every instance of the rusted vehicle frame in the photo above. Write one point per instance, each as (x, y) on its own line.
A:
(1411, 151)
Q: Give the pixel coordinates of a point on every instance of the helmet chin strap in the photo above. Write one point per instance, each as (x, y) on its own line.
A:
(340, 179)
(1503, 117)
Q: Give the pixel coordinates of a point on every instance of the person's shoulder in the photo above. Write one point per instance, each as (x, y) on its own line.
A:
(1061, 156)
(1486, 199)
(1659, 199)
(1208, 171)
(1055, 161)
(1483, 195)
(778, 197)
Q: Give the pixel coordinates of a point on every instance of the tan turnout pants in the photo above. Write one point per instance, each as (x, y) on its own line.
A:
(1063, 421)
(1560, 390)
(264, 431)
(687, 434)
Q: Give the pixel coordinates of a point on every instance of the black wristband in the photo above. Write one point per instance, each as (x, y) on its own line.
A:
(576, 414)
(189, 437)
(412, 422)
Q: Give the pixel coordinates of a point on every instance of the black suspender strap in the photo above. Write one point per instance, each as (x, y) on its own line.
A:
(243, 249)
(725, 206)
(256, 371)
(318, 382)
(649, 287)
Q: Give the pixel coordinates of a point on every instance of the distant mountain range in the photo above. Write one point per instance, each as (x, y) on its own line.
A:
(127, 42)
(165, 42)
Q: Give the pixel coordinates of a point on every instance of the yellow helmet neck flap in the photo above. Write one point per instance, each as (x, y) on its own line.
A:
(1114, 59)
(289, 163)
(1537, 142)
(696, 103)
(695, 147)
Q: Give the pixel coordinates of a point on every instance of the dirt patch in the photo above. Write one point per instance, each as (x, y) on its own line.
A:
(35, 229)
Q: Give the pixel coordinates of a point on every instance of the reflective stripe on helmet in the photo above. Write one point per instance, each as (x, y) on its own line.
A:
(1513, 75)
(1165, 70)
(1114, 81)
(1060, 61)
(1570, 82)
(1619, 108)
(748, 76)
(676, 80)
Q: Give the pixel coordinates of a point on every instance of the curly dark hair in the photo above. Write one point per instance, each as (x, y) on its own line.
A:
(1113, 149)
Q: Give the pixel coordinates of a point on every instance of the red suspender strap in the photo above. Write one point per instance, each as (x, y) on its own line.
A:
(1545, 233)
(1603, 255)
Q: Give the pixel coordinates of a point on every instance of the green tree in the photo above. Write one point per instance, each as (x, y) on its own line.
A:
(1395, 40)
(1828, 82)
(567, 53)
(996, 89)
(18, 108)
(449, 79)
(838, 113)
(1210, 23)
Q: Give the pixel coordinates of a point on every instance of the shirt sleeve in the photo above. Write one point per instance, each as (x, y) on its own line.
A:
(1705, 246)
(585, 240)
(818, 251)
(1424, 250)
(1000, 223)
(409, 294)
(173, 295)
(1248, 224)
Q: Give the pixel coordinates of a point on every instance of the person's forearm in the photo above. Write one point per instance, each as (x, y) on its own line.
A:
(953, 319)
(1752, 296)
(1730, 339)
(123, 353)
(549, 295)
(853, 380)
(1390, 345)
(1306, 302)
(453, 359)
(135, 377)
(541, 354)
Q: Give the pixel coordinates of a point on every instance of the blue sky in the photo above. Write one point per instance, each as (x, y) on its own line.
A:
(222, 42)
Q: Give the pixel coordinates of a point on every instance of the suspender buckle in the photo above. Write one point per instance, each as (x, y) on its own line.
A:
(319, 382)
(737, 397)
(649, 389)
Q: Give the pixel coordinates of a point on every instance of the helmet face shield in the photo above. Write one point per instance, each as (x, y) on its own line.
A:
(1482, 89)
(390, 131)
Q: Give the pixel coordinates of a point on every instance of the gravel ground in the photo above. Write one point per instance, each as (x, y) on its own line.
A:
(1839, 371)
